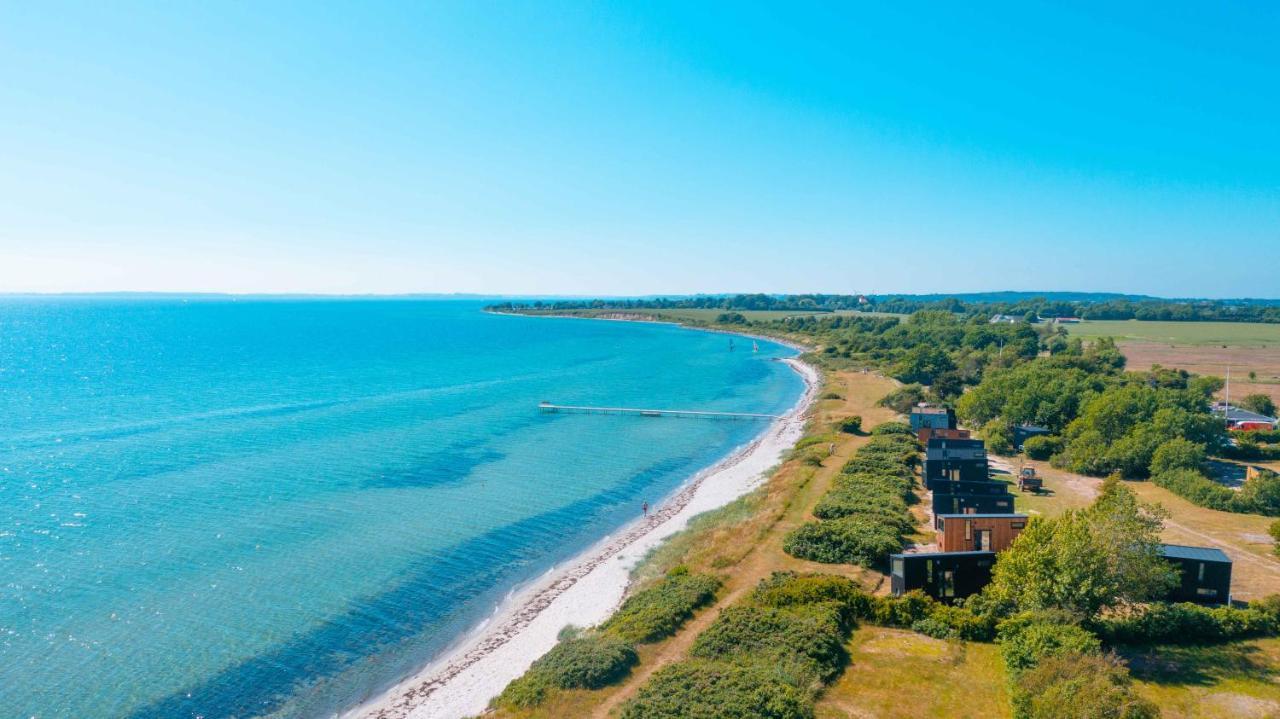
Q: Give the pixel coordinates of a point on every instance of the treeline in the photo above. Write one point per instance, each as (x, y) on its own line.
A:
(1028, 308)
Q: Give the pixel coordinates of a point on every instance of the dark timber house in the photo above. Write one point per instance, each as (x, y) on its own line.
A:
(945, 576)
(972, 503)
(955, 460)
(1205, 574)
(960, 486)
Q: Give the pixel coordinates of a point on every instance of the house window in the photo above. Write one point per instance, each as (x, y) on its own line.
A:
(968, 529)
(1206, 592)
(1017, 525)
(1200, 574)
(897, 567)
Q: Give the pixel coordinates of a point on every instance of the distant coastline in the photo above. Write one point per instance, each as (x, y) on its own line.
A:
(589, 588)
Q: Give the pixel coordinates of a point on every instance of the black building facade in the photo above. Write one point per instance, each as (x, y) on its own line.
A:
(1205, 574)
(945, 576)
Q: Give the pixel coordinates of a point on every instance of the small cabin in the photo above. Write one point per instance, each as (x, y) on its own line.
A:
(1205, 574)
(972, 503)
(924, 434)
(1024, 432)
(945, 576)
(956, 470)
(978, 532)
(933, 417)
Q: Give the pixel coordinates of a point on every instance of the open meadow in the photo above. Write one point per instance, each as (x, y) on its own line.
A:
(1207, 348)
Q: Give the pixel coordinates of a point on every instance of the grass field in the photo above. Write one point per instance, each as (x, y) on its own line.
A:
(1193, 334)
(1232, 681)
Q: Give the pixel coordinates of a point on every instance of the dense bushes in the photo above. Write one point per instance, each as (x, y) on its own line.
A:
(588, 662)
(606, 655)
(1162, 623)
(1175, 454)
(1057, 669)
(1042, 447)
(849, 540)
(1074, 685)
(764, 657)
(716, 690)
(851, 425)
(1259, 495)
(807, 638)
(864, 516)
(658, 611)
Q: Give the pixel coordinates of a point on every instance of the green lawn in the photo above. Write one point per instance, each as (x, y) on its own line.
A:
(1239, 334)
(1236, 681)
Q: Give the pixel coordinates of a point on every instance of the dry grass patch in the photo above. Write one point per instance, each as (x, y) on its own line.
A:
(1237, 681)
(895, 673)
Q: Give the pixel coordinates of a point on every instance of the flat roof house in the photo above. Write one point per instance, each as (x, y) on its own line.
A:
(933, 417)
(1205, 574)
(1238, 418)
(978, 532)
(972, 504)
(924, 434)
(945, 576)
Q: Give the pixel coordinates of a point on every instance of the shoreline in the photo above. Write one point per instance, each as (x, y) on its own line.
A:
(584, 591)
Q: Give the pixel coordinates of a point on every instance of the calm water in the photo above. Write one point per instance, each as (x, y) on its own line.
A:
(234, 509)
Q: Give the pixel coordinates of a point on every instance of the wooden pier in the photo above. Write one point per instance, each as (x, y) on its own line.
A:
(549, 408)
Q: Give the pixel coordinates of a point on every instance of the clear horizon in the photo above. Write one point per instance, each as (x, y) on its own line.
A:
(616, 150)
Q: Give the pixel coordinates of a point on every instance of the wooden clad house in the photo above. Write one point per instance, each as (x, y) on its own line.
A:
(960, 486)
(978, 532)
(924, 434)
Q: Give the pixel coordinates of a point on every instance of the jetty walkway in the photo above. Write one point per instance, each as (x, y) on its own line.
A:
(548, 407)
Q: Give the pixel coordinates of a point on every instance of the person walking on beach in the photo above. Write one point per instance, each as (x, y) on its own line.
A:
(645, 508)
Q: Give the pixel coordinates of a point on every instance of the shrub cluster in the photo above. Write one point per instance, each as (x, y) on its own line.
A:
(766, 656)
(606, 655)
(864, 516)
(656, 612)
(1043, 447)
(1259, 495)
(588, 662)
(1183, 623)
(1057, 669)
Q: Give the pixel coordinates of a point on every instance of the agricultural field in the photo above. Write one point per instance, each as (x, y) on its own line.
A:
(1207, 348)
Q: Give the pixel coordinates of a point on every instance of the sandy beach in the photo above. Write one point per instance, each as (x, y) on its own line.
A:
(582, 592)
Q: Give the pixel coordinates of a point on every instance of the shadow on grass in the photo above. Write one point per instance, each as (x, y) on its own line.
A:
(1198, 665)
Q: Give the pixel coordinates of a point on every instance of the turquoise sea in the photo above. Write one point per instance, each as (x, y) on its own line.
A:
(217, 508)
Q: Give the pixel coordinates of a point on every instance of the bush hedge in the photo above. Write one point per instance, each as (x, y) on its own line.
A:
(808, 637)
(1184, 623)
(699, 689)
(864, 517)
(656, 612)
(1073, 685)
(588, 662)
(1259, 495)
(1043, 447)
(1025, 640)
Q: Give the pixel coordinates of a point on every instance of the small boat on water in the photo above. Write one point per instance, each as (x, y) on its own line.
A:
(755, 346)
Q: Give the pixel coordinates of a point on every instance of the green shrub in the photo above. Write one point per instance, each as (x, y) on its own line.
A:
(998, 437)
(1183, 623)
(1177, 453)
(658, 611)
(852, 425)
(788, 589)
(809, 636)
(1076, 685)
(1026, 640)
(902, 399)
(955, 622)
(855, 539)
(1259, 495)
(892, 428)
(699, 689)
(832, 395)
(1274, 529)
(589, 662)
(1042, 447)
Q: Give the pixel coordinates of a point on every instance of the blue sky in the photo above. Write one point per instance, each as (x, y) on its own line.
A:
(640, 148)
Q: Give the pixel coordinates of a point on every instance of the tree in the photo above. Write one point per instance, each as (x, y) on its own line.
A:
(1084, 561)
(1177, 453)
(1260, 403)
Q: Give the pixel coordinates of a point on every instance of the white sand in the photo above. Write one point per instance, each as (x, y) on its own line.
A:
(583, 593)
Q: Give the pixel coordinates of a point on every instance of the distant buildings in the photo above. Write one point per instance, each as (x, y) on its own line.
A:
(1004, 320)
(1242, 419)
